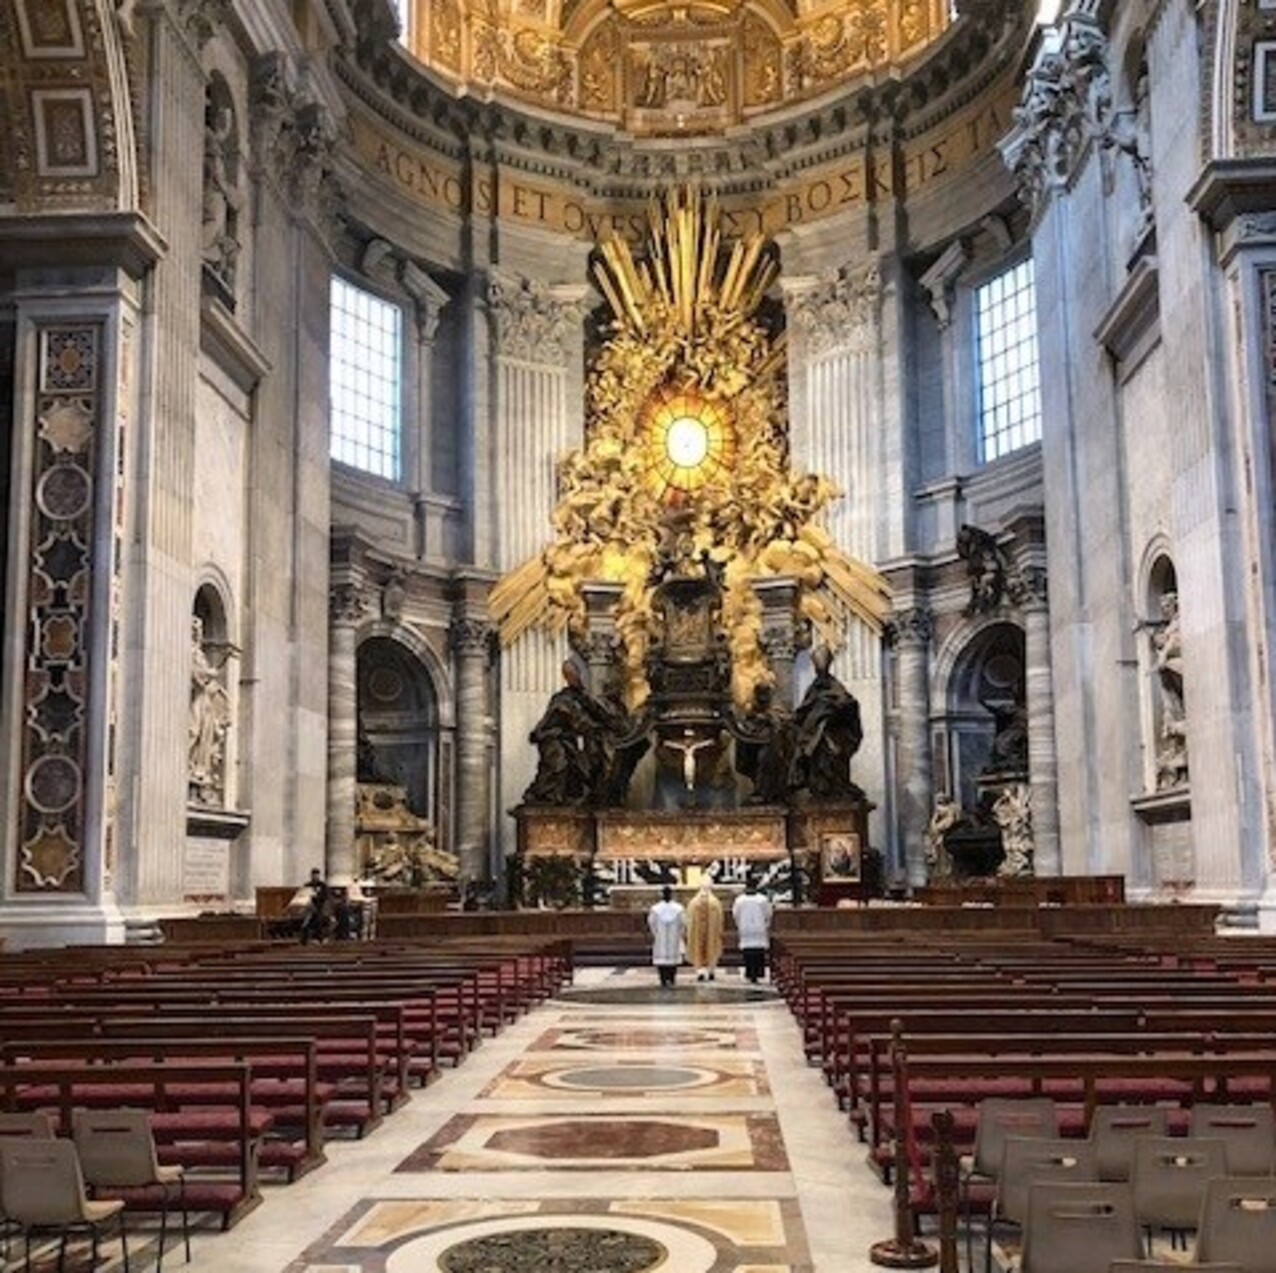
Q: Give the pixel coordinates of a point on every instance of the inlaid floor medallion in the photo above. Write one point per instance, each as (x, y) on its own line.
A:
(555, 1251)
(650, 1142)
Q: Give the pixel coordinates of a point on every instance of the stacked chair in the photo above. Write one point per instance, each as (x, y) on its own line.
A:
(43, 1192)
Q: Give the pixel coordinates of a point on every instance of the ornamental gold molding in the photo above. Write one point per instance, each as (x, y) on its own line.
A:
(669, 67)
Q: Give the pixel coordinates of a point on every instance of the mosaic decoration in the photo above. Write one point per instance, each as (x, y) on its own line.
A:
(63, 105)
(65, 136)
(49, 28)
(56, 664)
(562, 1250)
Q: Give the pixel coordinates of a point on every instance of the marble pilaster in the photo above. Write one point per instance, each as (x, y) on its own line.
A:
(471, 640)
(911, 630)
(75, 350)
(837, 431)
(536, 336)
(154, 736)
(343, 728)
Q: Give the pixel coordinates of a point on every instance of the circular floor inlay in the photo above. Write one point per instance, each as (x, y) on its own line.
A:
(630, 1076)
(555, 1250)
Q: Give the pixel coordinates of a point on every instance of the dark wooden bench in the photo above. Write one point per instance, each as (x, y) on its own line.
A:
(283, 1078)
(222, 1111)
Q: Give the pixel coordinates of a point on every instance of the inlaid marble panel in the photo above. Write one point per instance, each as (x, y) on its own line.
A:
(541, 1078)
(624, 1037)
(723, 1235)
(652, 1142)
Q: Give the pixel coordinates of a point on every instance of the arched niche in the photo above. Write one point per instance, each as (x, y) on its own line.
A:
(222, 205)
(398, 707)
(1161, 656)
(984, 698)
(210, 732)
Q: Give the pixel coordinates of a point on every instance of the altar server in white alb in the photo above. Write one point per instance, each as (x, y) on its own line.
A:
(667, 921)
(752, 914)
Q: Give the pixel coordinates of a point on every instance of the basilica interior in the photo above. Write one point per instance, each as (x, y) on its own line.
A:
(562, 450)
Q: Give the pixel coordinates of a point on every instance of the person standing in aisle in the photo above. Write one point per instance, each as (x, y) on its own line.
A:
(704, 932)
(752, 914)
(667, 921)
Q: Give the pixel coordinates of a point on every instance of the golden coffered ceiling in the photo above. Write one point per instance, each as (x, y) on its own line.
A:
(669, 67)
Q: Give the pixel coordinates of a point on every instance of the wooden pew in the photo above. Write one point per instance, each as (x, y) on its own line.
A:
(283, 1076)
(226, 1111)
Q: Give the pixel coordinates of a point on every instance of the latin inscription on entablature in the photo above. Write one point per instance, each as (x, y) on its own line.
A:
(839, 186)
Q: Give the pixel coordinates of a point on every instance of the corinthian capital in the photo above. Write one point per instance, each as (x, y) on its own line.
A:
(913, 627)
(470, 635)
(839, 310)
(532, 320)
(345, 603)
(1067, 102)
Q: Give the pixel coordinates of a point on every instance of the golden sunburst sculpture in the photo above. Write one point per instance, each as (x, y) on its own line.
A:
(686, 443)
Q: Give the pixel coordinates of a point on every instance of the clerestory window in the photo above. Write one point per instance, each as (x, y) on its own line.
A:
(366, 381)
(1008, 370)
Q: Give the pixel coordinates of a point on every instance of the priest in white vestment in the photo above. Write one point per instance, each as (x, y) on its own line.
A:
(667, 921)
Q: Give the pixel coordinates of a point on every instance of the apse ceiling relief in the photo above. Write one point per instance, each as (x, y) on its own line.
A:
(669, 67)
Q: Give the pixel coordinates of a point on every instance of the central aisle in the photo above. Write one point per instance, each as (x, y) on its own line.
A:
(682, 1135)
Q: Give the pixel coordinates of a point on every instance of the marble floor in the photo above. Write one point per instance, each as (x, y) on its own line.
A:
(666, 1132)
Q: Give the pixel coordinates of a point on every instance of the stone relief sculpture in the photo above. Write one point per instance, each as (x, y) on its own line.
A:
(222, 197)
(1167, 652)
(209, 723)
(986, 568)
(1013, 812)
(1129, 132)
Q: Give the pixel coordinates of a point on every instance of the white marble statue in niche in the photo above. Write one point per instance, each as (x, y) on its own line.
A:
(223, 198)
(1167, 653)
(208, 726)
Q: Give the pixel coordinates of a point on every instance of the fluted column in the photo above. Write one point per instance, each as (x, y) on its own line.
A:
(1043, 760)
(471, 647)
(343, 728)
(911, 631)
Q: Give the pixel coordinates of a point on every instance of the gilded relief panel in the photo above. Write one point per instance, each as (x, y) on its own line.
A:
(660, 67)
(600, 70)
(763, 63)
